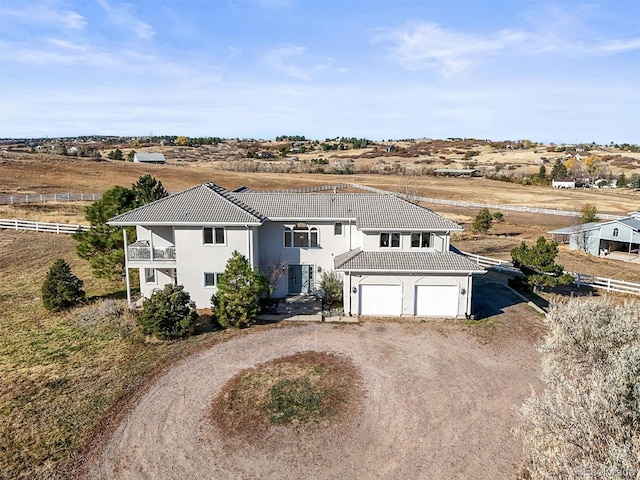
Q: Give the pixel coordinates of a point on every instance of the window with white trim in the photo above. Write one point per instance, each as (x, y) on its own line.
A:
(213, 236)
(421, 240)
(149, 275)
(337, 229)
(389, 240)
(301, 237)
(212, 279)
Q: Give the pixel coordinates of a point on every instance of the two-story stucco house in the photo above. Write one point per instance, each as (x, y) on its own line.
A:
(393, 255)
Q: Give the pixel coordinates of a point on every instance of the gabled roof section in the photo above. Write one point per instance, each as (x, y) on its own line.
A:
(370, 212)
(583, 227)
(632, 222)
(207, 204)
(406, 262)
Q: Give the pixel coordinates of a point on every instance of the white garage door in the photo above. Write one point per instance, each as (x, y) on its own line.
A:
(437, 300)
(381, 300)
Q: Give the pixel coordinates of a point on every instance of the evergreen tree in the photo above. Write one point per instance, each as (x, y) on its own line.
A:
(559, 170)
(61, 288)
(482, 222)
(147, 189)
(102, 245)
(537, 263)
(236, 302)
(622, 180)
(168, 313)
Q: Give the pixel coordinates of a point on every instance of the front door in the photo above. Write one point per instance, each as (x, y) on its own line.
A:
(300, 279)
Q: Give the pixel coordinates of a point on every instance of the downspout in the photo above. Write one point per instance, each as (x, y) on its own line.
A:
(469, 283)
(250, 244)
(126, 267)
(348, 312)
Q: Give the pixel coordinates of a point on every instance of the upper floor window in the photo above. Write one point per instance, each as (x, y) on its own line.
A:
(389, 240)
(301, 236)
(213, 236)
(421, 240)
(615, 232)
(337, 229)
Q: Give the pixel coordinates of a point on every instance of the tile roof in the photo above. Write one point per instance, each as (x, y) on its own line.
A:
(407, 262)
(370, 211)
(204, 204)
(212, 204)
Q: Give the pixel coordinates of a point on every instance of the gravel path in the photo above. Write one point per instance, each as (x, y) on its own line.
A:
(438, 404)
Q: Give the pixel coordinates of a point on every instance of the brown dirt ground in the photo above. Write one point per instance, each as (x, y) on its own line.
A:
(438, 403)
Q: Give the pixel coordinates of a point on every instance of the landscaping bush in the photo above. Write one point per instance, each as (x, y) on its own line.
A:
(61, 289)
(236, 303)
(331, 285)
(168, 313)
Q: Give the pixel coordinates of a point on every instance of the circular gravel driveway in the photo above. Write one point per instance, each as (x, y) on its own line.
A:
(438, 403)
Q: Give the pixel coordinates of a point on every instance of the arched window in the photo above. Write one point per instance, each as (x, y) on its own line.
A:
(615, 232)
(301, 237)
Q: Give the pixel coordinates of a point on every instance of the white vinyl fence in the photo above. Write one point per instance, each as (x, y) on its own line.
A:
(457, 203)
(40, 226)
(608, 284)
(49, 197)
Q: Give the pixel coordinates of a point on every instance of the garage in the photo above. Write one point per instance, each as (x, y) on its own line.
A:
(437, 300)
(381, 300)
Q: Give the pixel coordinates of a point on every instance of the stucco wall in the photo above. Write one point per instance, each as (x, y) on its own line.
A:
(271, 248)
(371, 242)
(193, 259)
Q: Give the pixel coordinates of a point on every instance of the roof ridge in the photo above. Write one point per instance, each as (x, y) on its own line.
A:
(227, 195)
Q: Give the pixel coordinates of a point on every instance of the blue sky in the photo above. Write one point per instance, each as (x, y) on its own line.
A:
(563, 71)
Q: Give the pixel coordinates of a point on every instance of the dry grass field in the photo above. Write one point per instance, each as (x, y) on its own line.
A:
(62, 373)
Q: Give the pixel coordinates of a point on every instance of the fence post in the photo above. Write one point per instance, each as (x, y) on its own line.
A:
(579, 280)
(608, 284)
(17, 225)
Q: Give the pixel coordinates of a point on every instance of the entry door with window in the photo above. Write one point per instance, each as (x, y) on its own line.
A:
(300, 279)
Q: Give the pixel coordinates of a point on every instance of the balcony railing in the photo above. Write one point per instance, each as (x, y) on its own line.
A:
(142, 253)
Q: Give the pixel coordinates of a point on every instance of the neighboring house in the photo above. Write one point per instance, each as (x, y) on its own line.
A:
(456, 172)
(149, 157)
(563, 183)
(622, 235)
(392, 255)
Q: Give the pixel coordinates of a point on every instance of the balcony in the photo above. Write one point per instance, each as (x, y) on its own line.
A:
(141, 251)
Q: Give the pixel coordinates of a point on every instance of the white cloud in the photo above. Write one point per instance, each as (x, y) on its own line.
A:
(428, 46)
(280, 59)
(45, 14)
(121, 15)
(424, 46)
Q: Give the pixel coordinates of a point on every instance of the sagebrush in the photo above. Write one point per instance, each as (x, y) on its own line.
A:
(586, 423)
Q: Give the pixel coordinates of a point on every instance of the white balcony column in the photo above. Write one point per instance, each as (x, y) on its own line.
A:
(126, 266)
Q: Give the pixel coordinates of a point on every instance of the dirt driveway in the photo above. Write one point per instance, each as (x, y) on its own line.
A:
(438, 404)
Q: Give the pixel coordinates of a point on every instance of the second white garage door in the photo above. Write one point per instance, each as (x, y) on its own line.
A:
(381, 300)
(437, 300)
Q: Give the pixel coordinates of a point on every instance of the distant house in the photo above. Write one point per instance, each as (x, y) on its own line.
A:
(563, 183)
(602, 238)
(149, 157)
